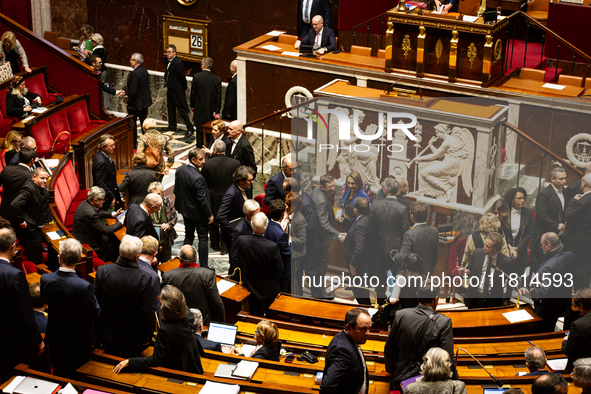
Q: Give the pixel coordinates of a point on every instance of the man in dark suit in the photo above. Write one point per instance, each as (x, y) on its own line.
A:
(403, 189)
(275, 185)
(260, 262)
(146, 262)
(198, 284)
(577, 235)
(127, 321)
(74, 307)
(218, 171)
(138, 218)
(307, 9)
(551, 300)
(550, 205)
(20, 340)
(13, 178)
(206, 344)
(403, 335)
(176, 85)
(276, 234)
(323, 197)
(345, 371)
(137, 180)
(138, 92)
(322, 38)
(90, 228)
(249, 209)
(575, 188)
(206, 97)
(519, 234)
(361, 247)
(484, 262)
(240, 148)
(104, 172)
(391, 218)
(421, 239)
(233, 202)
(230, 111)
(31, 211)
(576, 344)
(192, 201)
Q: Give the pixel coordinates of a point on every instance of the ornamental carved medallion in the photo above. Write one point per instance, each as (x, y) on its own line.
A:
(406, 45)
(472, 52)
(498, 51)
(438, 50)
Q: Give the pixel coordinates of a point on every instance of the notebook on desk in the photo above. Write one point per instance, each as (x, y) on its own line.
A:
(222, 333)
(35, 386)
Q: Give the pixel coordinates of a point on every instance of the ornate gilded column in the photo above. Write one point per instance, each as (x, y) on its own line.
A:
(389, 39)
(487, 61)
(453, 55)
(421, 51)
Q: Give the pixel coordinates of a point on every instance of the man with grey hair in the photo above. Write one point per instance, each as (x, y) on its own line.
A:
(217, 172)
(551, 203)
(577, 235)
(250, 208)
(27, 142)
(261, 265)
(206, 344)
(206, 98)
(582, 373)
(138, 219)
(535, 359)
(90, 228)
(575, 188)
(74, 307)
(138, 92)
(104, 172)
(124, 292)
(198, 284)
(230, 111)
(275, 185)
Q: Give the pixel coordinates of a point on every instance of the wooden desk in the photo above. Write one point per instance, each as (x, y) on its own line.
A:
(33, 277)
(536, 87)
(119, 233)
(466, 323)
(235, 299)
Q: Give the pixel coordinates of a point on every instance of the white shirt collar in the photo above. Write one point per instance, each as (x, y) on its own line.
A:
(238, 138)
(64, 269)
(558, 191)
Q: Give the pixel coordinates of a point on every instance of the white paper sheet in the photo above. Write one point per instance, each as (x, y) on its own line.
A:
(219, 388)
(52, 163)
(10, 388)
(248, 350)
(372, 311)
(25, 120)
(245, 369)
(294, 54)
(553, 86)
(53, 235)
(39, 110)
(224, 285)
(275, 33)
(557, 364)
(69, 389)
(470, 18)
(518, 316)
(270, 47)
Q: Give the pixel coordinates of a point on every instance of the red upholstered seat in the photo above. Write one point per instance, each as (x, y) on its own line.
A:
(460, 248)
(260, 198)
(3, 106)
(5, 125)
(58, 123)
(68, 195)
(36, 84)
(42, 134)
(96, 262)
(2, 159)
(79, 121)
(29, 267)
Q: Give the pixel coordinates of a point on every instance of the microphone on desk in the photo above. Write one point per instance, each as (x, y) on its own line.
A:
(498, 382)
(395, 82)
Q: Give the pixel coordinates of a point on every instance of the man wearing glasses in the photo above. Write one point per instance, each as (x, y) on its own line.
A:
(89, 227)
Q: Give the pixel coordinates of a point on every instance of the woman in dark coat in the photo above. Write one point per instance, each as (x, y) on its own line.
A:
(176, 346)
(268, 343)
(19, 100)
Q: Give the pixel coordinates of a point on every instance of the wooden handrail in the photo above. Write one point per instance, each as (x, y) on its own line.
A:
(367, 22)
(250, 124)
(560, 39)
(546, 150)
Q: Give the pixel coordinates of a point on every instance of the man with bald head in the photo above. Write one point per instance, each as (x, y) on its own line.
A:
(260, 262)
(322, 38)
(275, 185)
(239, 147)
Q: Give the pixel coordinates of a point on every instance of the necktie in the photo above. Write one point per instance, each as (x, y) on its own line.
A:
(307, 11)
(487, 277)
(317, 40)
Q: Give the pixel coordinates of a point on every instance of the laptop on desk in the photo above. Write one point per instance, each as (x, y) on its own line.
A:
(222, 333)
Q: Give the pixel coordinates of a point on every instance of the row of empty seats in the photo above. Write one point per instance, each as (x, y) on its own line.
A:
(535, 74)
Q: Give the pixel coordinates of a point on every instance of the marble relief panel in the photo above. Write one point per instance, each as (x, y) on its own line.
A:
(68, 16)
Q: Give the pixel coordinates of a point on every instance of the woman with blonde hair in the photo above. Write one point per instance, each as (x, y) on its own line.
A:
(437, 375)
(268, 343)
(153, 144)
(176, 346)
(218, 133)
(12, 51)
(12, 145)
(84, 44)
(20, 100)
(488, 224)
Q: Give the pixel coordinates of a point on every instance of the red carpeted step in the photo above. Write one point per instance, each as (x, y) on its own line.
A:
(516, 52)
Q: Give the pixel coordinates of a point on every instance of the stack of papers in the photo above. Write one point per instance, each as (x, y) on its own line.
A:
(518, 316)
(275, 33)
(245, 369)
(224, 285)
(557, 364)
(270, 47)
(219, 388)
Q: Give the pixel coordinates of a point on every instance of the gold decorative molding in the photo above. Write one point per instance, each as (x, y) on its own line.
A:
(453, 55)
(498, 51)
(487, 61)
(449, 26)
(421, 50)
(401, 6)
(187, 2)
(438, 50)
(472, 53)
(406, 45)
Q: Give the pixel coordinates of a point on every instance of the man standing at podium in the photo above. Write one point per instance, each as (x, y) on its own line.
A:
(322, 38)
(307, 9)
